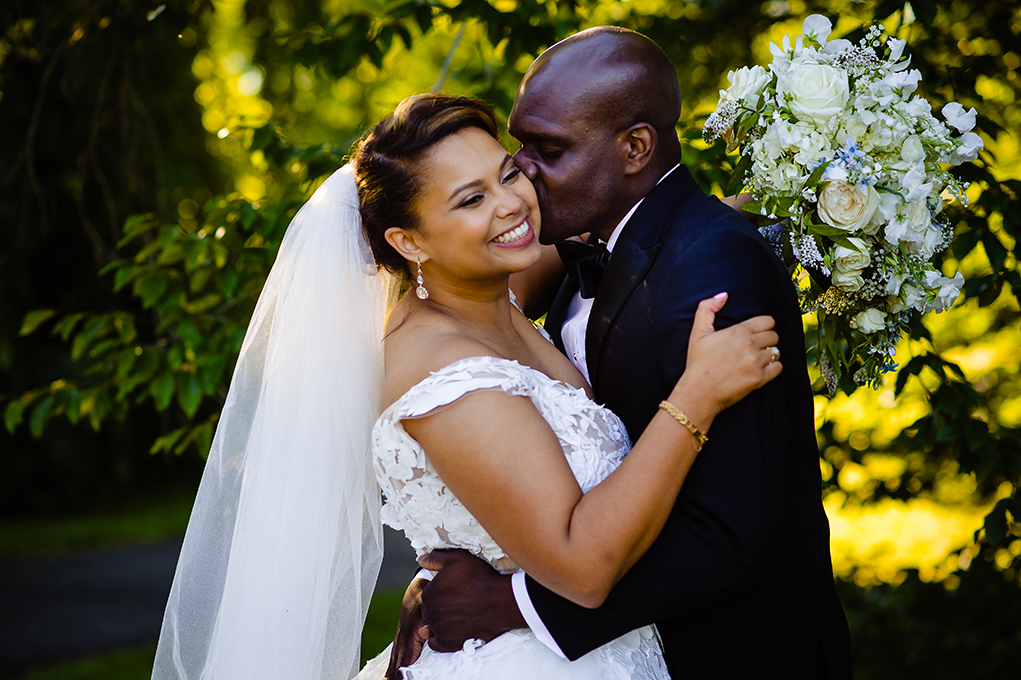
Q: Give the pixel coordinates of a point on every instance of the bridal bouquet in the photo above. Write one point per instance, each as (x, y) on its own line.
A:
(850, 170)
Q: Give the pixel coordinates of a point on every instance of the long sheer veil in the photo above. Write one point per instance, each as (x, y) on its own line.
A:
(284, 542)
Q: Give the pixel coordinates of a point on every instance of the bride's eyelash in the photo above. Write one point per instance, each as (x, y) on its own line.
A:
(475, 198)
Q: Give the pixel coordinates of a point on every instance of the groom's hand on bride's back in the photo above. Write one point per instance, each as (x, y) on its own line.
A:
(467, 599)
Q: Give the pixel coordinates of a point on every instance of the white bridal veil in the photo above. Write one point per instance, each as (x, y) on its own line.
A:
(284, 542)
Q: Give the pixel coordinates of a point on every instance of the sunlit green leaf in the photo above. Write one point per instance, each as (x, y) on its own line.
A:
(13, 414)
(34, 319)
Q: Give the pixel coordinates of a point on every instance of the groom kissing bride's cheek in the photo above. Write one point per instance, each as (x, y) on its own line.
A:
(739, 582)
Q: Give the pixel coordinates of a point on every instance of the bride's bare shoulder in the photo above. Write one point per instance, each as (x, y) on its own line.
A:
(418, 344)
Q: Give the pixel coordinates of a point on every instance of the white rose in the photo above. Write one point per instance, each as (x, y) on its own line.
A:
(747, 83)
(817, 91)
(852, 259)
(848, 207)
(869, 321)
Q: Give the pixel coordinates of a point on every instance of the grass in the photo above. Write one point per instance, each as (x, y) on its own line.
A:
(149, 519)
(125, 664)
(136, 663)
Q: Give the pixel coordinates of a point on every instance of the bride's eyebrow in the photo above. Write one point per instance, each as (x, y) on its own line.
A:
(474, 183)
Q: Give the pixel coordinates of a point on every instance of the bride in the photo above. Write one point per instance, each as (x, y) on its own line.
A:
(479, 433)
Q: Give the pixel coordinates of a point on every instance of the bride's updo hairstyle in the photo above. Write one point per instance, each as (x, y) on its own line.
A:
(387, 163)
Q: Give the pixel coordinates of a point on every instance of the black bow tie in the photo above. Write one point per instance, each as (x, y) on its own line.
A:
(584, 263)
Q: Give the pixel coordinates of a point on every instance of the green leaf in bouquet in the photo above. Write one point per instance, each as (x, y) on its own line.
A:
(746, 124)
(737, 177)
(753, 206)
(816, 175)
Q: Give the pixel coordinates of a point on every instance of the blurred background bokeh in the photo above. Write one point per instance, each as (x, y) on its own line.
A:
(152, 154)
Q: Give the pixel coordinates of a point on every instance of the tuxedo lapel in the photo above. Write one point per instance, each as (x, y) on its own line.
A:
(632, 257)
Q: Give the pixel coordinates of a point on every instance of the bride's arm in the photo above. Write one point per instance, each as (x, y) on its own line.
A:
(504, 463)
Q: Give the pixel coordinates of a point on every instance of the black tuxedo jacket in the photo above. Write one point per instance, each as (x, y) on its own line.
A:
(739, 582)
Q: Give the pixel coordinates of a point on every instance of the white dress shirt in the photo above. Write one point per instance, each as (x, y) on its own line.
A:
(573, 334)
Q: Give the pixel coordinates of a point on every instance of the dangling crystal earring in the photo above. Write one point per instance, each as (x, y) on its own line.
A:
(421, 292)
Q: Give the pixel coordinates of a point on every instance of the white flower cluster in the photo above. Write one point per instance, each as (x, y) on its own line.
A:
(839, 146)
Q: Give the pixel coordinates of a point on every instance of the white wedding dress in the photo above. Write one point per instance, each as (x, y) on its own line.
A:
(417, 501)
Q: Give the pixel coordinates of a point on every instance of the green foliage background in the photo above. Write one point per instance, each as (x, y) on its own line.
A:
(152, 154)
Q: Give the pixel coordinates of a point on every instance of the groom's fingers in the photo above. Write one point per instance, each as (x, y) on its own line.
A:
(435, 560)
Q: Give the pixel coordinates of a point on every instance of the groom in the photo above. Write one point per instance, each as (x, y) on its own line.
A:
(739, 582)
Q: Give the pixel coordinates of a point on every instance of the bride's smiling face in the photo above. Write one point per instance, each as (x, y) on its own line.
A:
(478, 215)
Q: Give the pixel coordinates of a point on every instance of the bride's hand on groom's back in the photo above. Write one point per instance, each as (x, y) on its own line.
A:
(726, 365)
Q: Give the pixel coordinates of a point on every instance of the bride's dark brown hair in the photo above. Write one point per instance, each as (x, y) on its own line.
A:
(387, 163)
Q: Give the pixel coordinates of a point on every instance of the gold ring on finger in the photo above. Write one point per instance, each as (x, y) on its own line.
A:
(774, 353)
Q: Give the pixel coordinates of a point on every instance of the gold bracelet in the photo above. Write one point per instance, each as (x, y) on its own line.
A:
(679, 416)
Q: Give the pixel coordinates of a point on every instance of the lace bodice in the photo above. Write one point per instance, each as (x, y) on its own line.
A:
(417, 501)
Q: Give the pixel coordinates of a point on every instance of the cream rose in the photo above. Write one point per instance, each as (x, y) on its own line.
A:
(852, 259)
(818, 92)
(848, 281)
(747, 83)
(869, 321)
(848, 207)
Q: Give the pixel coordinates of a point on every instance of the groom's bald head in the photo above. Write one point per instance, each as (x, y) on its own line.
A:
(614, 76)
(596, 116)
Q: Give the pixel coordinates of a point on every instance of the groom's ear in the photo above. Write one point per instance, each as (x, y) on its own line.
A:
(640, 140)
(404, 243)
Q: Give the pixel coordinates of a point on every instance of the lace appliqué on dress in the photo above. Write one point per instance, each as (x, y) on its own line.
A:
(417, 500)
(594, 442)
